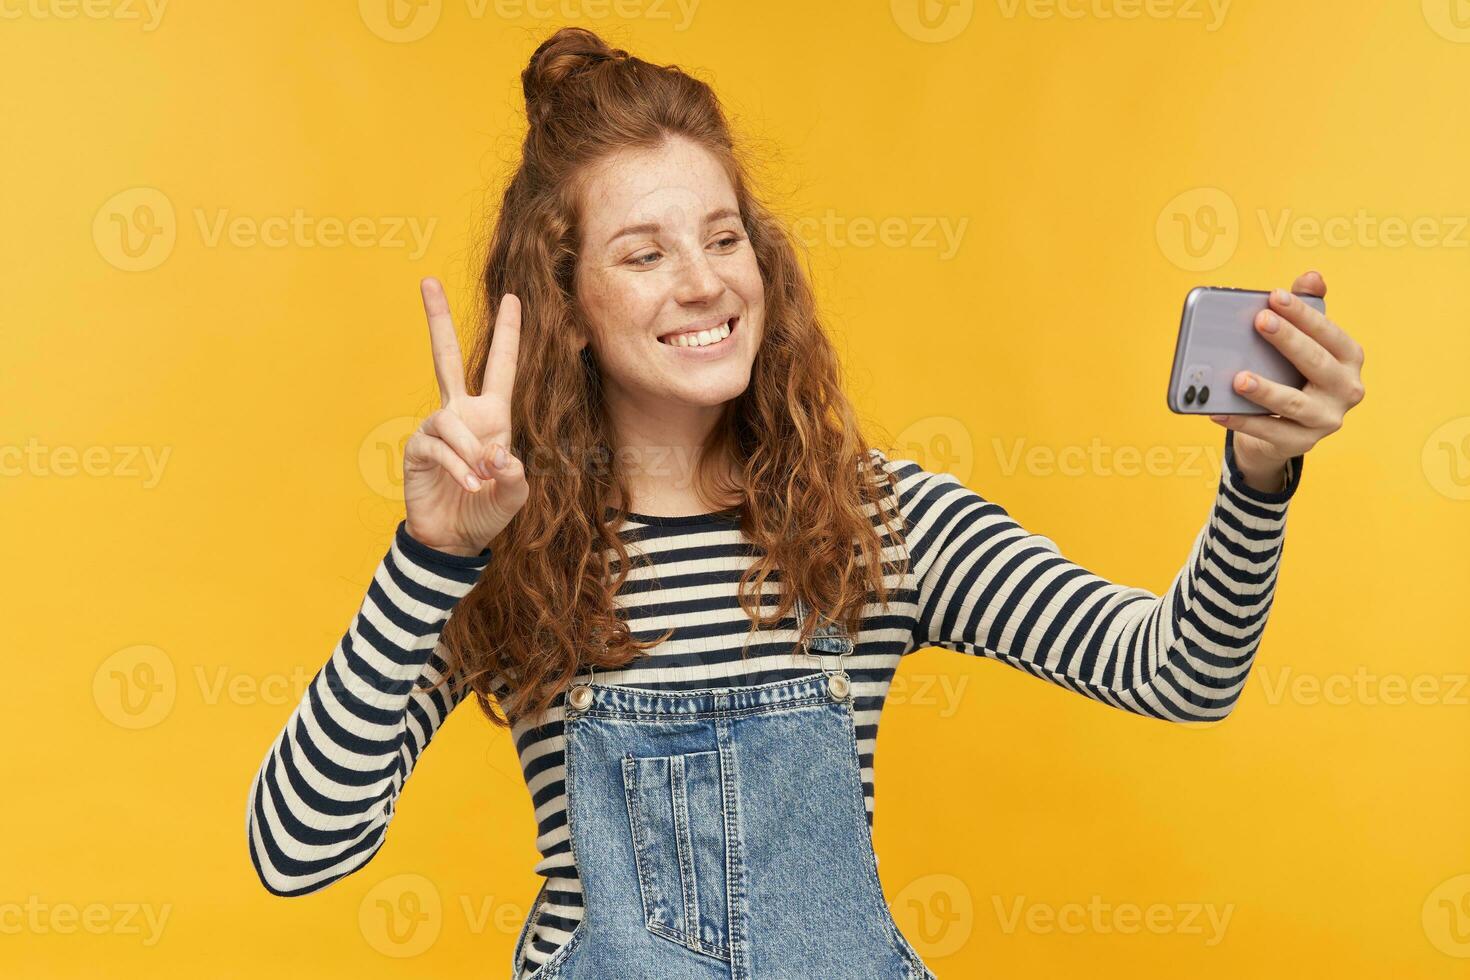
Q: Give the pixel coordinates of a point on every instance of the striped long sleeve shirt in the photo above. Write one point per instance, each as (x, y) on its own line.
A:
(978, 583)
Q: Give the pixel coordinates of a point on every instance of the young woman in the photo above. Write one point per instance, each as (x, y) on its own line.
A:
(679, 570)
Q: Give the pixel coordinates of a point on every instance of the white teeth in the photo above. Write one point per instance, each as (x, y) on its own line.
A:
(702, 338)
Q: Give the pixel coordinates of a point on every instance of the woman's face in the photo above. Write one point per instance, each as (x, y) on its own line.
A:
(668, 280)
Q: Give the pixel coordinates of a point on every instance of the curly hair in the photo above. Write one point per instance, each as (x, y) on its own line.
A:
(544, 610)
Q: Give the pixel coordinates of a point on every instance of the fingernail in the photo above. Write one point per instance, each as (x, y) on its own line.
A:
(1281, 296)
(471, 482)
(1248, 383)
(501, 459)
(1218, 418)
(1272, 323)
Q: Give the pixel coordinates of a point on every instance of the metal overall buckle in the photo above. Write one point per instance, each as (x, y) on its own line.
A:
(828, 639)
(580, 696)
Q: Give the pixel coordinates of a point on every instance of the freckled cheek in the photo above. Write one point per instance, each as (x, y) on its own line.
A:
(621, 312)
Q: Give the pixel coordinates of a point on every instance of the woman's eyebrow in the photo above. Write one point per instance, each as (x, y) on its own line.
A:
(651, 227)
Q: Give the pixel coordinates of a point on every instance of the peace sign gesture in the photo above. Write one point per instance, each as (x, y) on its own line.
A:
(461, 485)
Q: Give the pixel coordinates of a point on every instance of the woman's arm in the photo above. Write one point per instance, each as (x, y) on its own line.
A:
(988, 587)
(322, 799)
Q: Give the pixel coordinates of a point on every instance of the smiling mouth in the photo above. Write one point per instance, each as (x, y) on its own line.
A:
(709, 337)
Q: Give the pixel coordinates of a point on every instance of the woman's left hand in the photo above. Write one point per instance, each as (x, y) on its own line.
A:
(1332, 363)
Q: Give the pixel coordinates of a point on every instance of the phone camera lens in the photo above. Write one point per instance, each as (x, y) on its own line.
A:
(1204, 394)
(1189, 395)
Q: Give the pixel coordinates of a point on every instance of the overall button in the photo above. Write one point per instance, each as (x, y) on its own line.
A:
(580, 697)
(838, 685)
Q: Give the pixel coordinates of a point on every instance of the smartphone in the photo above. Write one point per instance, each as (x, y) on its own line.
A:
(1217, 339)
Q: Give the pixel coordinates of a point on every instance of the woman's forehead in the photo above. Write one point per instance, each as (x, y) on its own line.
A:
(673, 186)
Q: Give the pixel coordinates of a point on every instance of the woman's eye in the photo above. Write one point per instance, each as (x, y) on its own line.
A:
(728, 241)
(638, 260)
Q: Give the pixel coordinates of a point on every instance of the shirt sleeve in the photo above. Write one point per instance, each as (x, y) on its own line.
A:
(988, 587)
(322, 799)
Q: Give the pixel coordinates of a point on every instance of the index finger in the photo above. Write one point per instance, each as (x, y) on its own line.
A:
(448, 366)
(1315, 325)
(505, 345)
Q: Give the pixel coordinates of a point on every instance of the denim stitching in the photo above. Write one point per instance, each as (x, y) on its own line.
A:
(901, 945)
(684, 847)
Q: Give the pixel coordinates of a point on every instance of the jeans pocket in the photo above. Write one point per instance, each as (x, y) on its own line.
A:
(676, 819)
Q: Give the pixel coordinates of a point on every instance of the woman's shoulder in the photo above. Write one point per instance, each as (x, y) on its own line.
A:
(909, 474)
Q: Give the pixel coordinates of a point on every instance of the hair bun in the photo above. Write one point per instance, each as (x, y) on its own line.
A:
(559, 57)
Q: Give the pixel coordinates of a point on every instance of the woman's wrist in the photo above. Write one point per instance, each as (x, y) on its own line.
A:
(455, 553)
(1265, 478)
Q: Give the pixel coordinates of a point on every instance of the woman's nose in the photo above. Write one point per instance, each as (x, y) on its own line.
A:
(698, 280)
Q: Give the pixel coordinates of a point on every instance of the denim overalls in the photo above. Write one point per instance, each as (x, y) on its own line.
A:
(721, 833)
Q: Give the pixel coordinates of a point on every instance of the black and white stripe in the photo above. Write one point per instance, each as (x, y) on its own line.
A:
(979, 584)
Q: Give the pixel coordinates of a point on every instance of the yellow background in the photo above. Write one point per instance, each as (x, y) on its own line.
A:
(1330, 827)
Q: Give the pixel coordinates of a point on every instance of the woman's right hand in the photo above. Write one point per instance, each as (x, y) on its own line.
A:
(461, 485)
